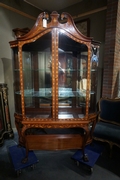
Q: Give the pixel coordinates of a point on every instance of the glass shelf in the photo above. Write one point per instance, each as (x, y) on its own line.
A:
(65, 97)
(47, 92)
(66, 70)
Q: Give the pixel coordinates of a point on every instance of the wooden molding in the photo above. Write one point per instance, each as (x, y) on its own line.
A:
(17, 11)
(89, 12)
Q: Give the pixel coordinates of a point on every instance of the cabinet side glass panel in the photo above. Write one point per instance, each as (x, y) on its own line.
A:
(17, 94)
(94, 75)
(37, 77)
(1, 113)
(72, 72)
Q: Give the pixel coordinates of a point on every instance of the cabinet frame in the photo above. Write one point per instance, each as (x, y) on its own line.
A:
(55, 26)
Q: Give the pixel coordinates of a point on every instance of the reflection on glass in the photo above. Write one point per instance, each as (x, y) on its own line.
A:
(28, 88)
(94, 75)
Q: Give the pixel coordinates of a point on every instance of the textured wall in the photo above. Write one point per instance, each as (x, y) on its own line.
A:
(112, 50)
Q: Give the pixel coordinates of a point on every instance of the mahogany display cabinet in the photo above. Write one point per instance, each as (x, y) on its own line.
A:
(55, 79)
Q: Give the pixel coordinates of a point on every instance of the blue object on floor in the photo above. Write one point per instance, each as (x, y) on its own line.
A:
(93, 152)
(17, 154)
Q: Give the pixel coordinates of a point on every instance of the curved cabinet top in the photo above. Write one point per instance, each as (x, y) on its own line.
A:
(64, 22)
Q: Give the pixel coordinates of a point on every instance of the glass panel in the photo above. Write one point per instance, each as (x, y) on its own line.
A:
(37, 77)
(73, 62)
(1, 113)
(17, 82)
(27, 73)
(94, 75)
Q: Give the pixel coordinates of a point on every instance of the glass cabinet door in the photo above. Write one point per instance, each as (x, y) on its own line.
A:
(72, 81)
(37, 77)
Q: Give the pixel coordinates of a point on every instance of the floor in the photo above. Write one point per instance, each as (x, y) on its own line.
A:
(58, 165)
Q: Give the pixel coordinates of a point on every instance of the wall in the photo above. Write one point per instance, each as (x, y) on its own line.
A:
(112, 50)
(1, 72)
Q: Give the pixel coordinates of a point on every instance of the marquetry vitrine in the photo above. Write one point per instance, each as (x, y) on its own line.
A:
(6, 131)
(55, 77)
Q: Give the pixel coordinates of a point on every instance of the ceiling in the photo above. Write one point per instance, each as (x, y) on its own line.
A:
(52, 5)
